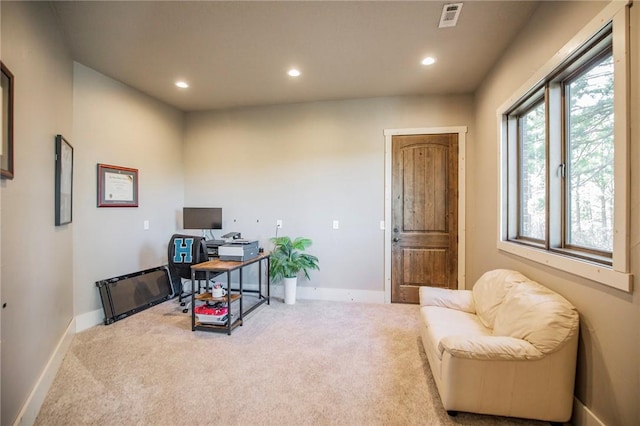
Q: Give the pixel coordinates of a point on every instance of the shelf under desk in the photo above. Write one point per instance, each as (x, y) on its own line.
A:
(227, 266)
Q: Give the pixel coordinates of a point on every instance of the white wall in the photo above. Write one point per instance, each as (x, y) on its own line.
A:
(309, 164)
(49, 272)
(608, 377)
(37, 265)
(116, 125)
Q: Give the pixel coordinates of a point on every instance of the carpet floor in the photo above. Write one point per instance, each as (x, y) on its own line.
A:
(312, 363)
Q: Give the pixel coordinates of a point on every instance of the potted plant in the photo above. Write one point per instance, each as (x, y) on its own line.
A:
(287, 260)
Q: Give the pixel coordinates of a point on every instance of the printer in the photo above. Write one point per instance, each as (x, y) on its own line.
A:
(238, 250)
(212, 247)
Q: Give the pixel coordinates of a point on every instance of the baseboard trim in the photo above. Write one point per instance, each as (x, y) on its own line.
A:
(582, 416)
(31, 407)
(320, 293)
(332, 294)
(89, 319)
(93, 318)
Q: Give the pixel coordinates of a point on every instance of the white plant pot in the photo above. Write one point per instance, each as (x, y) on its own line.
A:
(290, 285)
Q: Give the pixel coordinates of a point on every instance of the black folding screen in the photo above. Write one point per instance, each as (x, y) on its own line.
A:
(125, 295)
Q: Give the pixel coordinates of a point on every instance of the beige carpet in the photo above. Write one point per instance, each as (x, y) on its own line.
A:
(312, 363)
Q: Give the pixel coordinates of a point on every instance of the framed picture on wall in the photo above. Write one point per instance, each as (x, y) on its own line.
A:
(64, 181)
(117, 186)
(6, 110)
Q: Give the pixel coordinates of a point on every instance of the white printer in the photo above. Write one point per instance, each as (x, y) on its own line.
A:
(238, 250)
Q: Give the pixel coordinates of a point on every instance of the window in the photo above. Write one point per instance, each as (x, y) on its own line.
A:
(564, 171)
(581, 94)
(532, 165)
(589, 160)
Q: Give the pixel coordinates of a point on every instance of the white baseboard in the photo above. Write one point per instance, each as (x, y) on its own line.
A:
(89, 319)
(30, 409)
(582, 416)
(332, 294)
(323, 293)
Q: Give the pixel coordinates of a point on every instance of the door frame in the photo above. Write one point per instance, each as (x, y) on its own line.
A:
(388, 136)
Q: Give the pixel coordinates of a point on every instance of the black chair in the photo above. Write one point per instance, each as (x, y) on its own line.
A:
(184, 251)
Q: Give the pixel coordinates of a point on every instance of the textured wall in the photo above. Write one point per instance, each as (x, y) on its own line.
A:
(37, 274)
(309, 164)
(608, 379)
(116, 125)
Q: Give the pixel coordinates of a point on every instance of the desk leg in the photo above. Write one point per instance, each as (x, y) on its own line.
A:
(260, 281)
(193, 300)
(241, 295)
(268, 281)
(229, 319)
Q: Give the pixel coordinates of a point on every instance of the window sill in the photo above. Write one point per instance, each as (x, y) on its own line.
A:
(592, 271)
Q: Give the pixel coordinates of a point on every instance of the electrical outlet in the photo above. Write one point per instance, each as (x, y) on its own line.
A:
(278, 223)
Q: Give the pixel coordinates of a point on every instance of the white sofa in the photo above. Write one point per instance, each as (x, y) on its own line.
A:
(508, 347)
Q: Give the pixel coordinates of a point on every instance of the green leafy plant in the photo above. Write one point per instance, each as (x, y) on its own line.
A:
(288, 258)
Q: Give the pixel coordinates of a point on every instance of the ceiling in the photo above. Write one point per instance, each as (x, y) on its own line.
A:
(237, 53)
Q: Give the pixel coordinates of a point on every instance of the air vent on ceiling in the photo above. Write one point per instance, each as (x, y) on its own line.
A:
(450, 15)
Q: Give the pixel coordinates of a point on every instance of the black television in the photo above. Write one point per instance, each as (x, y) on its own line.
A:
(201, 218)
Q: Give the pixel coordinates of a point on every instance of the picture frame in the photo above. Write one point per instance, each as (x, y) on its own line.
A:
(6, 111)
(117, 186)
(63, 181)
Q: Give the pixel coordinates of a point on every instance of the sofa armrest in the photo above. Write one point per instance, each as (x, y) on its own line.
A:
(461, 300)
(489, 348)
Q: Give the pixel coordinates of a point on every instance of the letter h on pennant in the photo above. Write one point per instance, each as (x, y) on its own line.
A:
(182, 250)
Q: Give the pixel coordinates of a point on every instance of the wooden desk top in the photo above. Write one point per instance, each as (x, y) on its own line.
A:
(227, 265)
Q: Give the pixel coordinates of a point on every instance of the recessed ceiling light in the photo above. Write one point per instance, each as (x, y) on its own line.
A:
(428, 61)
(182, 84)
(293, 72)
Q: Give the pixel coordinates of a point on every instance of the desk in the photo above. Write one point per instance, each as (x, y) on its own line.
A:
(233, 295)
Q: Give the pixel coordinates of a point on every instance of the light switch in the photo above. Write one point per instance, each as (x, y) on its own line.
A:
(336, 224)
(145, 225)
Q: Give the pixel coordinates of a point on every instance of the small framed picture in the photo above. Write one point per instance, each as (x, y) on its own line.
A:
(117, 186)
(64, 181)
(6, 111)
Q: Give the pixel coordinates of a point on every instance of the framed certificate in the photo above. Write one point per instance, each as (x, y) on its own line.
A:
(117, 186)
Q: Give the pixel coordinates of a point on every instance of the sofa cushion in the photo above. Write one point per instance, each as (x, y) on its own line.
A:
(443, 322)
(489, 292)
(538, 315)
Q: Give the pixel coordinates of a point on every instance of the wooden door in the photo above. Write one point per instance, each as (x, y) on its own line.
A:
(424, 210)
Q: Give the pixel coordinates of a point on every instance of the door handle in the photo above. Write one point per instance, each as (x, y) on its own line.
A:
(396, 239)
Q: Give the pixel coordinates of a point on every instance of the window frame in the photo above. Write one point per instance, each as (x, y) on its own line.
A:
(600, 52)
(533, 101)
(614, 271)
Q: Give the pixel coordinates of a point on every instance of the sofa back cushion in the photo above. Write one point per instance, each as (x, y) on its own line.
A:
(538, 315)
(490, 290)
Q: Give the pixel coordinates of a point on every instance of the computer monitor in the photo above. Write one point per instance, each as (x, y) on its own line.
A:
(202, 218)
